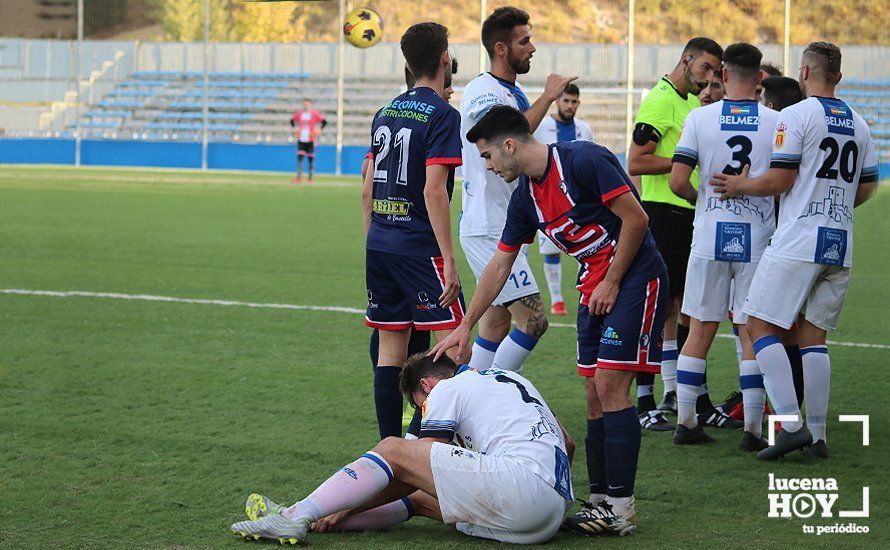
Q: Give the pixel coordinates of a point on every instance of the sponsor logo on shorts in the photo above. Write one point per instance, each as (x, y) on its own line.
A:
(611, 337)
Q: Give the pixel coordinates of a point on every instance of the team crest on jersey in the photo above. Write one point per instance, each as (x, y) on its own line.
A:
(739, 117)
(838, 117)
(780, 135)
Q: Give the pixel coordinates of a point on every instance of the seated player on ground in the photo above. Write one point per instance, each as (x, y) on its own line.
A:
(578, 194)
(508, 481)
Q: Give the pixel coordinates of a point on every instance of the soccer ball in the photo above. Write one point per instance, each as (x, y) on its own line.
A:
(363, 27)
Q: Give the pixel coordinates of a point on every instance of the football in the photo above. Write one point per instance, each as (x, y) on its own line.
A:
(363, 27)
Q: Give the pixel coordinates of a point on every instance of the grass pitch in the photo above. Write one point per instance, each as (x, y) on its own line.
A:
(146, 424)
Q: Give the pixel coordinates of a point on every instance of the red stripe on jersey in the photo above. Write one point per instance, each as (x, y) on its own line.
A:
(608, 197)
(551, 198)
(593, 271)
(447, 161)
(504, 247)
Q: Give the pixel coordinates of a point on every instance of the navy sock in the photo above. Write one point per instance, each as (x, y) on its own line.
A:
(388, 401)
(622, 450)
(375, 347)
(793, 353)
(420, 341)
(645, 402)
(682, 335)
(414, 426)
(594, 444)
(703, 403)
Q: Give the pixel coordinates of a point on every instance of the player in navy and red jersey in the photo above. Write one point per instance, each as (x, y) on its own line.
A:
(579, 196)
(410, 269)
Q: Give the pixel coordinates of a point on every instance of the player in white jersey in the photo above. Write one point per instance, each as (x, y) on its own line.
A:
(506, 35)
(823, 165)
(509, 480)
(728, 239)
(561, 126)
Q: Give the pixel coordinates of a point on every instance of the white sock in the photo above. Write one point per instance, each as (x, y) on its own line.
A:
(816, 383)
(777, 378)
(352, 485)
(379, 518)
(644, 390)
(596, 498)
(483, 354)
(513, 350)
(669, 365)
(753, 395)
(703, 389)
(738, 343)
(553, 274)
(690, 373)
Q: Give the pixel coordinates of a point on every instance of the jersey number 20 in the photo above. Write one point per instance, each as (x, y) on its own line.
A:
(401, 142)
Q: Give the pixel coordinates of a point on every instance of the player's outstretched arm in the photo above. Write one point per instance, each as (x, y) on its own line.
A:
(435, 194)
(490, 284)
(634, 222)
(554, 87)
(774, 182)
(680, 174)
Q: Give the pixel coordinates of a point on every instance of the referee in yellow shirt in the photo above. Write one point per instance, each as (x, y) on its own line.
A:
(656, 133)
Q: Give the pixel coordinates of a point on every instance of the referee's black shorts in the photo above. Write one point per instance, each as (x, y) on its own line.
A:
(671, 226)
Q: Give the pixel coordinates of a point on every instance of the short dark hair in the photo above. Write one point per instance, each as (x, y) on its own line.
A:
(829, 57)
(410, 81)
(781, 91)
(420, 366)
(500, 122)
(571, 89)
(701, 44)
(771, 69)
(498, 27)
(743, 60)
(422, 45)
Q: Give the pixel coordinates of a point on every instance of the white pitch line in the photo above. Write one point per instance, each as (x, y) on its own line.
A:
(266, 305)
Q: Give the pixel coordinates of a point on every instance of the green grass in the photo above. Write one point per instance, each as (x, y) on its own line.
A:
(126, 423)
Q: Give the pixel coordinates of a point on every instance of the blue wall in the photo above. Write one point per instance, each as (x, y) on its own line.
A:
(168, 154)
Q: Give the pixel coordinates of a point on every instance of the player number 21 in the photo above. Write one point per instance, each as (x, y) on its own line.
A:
(401, 142)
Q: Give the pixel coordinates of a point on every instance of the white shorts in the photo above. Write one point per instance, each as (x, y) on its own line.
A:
(521, 282)
(546, 246)
(494, 497)
(714, 288)
(783, 288)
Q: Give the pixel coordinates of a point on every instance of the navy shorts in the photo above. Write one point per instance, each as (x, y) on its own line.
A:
(403, 291)
(630, 336)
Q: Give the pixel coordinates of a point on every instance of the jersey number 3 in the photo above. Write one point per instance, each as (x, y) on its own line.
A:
(742, 155)
(401, 143)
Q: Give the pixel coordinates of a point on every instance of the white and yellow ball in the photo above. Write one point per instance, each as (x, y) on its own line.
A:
(363, 27)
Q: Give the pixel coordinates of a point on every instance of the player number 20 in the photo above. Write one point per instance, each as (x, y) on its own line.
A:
(849, 155)
(382, 138)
